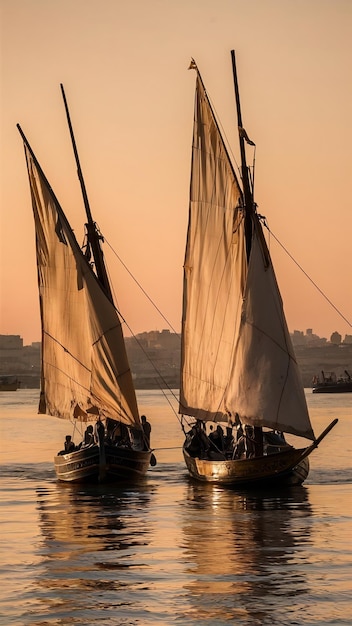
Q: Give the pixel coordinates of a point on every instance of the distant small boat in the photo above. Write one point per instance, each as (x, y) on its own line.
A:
(330, 383)
(9, 383)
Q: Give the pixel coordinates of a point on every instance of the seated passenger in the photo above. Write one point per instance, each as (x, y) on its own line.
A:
(249, 441)
(229, 439)
(88, 436)
(99, 431)
(192, 443)
(69, 445)
(217, 439)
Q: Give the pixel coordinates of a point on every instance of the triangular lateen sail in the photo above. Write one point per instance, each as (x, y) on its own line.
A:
(84, 361)
(265, 386)
(237, 354)
(214, 270)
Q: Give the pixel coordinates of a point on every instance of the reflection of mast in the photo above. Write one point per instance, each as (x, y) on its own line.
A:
(94, 237)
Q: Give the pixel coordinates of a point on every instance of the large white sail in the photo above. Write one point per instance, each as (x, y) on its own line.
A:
(265, 386)
(237, 354)
(214, 270)
(84, 364)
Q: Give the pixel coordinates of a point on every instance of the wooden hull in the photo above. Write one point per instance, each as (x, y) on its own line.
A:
(9, 383)
(344, 387)
(283, 468)
(112, 463)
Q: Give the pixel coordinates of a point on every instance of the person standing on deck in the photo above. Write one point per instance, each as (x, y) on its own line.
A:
(147, 430)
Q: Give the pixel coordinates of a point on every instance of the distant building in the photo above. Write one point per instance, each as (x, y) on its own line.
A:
(22, 361)
(11, 348)
(309, 339)
(336, 338)
(11, 342)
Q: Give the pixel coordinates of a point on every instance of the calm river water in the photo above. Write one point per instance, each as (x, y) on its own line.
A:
(170, 551)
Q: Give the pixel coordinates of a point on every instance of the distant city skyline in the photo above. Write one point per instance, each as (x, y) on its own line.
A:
(305, 332)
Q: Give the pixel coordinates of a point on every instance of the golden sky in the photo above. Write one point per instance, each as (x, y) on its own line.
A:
(124, 65)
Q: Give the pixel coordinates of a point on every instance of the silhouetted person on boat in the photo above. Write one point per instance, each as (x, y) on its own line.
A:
(99, 432)
(217, 439)
(229, 438)
(249, 440)
(69, 445)
(254, 441)
(147, 429)
(116, 432)
(200, 441)
(197, 441)
(117, 436)
(88, 439)
(258, 441)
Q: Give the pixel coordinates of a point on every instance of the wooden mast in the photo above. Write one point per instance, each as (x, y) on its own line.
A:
(94, 237)
(248, 218)
(247, 192)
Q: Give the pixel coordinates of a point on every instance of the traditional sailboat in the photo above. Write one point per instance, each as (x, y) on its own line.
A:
(241, 389)
(85, 374)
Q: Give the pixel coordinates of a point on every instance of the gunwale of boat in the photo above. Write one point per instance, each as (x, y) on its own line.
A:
(287, 466)
(84, 464)
(333, 388)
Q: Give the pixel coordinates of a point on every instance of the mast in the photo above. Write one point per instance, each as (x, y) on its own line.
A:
(248, 196)
(94, 237)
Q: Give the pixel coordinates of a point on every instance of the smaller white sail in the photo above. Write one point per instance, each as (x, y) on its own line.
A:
(265, 386)
(85, 370)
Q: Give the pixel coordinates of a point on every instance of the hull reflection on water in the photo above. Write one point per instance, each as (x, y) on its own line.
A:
(79, 515)
(236, 543)
(91, 539)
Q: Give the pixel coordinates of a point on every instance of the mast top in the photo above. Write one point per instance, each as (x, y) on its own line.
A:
(92, 233)
(247, 192)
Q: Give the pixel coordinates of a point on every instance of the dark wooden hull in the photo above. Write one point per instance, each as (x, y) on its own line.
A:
(92, 464)
(343, 387)
(9, 383)
(284, 468)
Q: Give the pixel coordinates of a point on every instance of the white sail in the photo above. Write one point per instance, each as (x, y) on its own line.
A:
(214, 270)
(84, 363)
(265, 386)
(237, 354)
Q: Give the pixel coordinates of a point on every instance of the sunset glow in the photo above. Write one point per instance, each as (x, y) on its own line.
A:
(124, 68)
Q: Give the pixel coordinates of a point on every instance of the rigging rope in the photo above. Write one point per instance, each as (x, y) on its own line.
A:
(140, 287)
(303, 271)
(158, 373)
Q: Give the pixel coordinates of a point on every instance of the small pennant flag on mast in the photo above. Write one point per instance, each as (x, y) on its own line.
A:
(244, 135)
